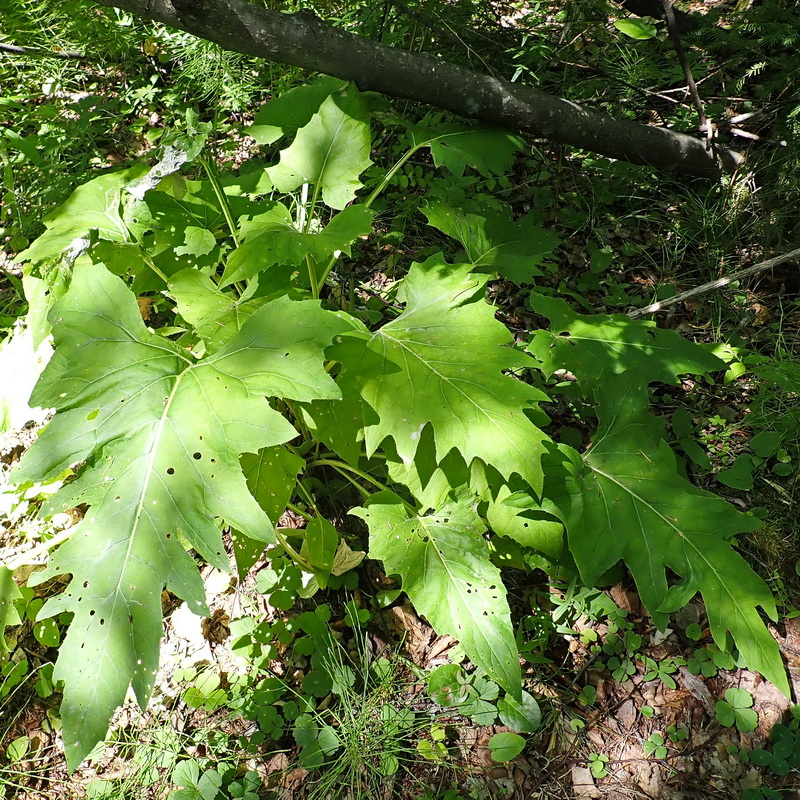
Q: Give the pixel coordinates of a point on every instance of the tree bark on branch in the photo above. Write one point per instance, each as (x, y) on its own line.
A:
(303, 40)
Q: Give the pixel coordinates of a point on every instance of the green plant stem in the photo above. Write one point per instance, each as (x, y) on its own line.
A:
(295, 556)
(312, 276)
(344, 468)
(308, 498)
(10, 196)
(297, 510)
(399, 164)
(298, 421)
(29, 556)
(150, 263)
(316, 283)
(211, 172)
(310, 210)
(387, 178)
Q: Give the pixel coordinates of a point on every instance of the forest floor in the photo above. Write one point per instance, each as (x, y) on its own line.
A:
(629, 711)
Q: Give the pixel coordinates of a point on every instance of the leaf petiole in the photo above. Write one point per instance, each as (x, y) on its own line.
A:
(211, 171)
(343, 468)
(29, 556)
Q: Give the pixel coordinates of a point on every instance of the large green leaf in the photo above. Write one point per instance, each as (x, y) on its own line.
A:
(271, 478)
(272, 238)
(485, 148)
(443, 560)
(97, 205)
(635, 28)
(331, 151)
(177, 223)
(282, 116)
(9, 594)
(161, 435)
(626, 499)
(494, 241)
(528, 526)
(442, 362)
(199, 300)
(214, 315)
(339, 425)
(591, 345)
(432, 483)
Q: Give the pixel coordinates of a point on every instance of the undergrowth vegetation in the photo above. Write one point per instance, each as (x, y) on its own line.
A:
(356, 353)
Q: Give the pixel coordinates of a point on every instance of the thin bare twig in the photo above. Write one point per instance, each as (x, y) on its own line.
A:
(446, 33)
(672, 26)
(720, 282)
(40, 52)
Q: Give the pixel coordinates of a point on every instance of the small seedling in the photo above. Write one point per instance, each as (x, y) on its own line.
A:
(197, 784)
(677, 733)
(598, 764)
(246, 788)
(738, 752)
(761, 793)
(588, 695)
(708, 661)
(660, 670)
(621, 668)
(736, 710)
(654, 746)
(434, 749)
(694, 632)
(475, 696)
(785, 753)
(18, 749)
(506, 746)
(206, 692)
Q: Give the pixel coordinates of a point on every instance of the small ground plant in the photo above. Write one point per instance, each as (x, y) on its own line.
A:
(219, 357)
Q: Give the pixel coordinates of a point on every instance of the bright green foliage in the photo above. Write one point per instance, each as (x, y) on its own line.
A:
(494, 242)
(271, 475)
(9, 596)
(162, 434)
(198, 785)
(331, 151)
(443, 561)
(598, 764)
(319, 547)
(635, 28)
(737, 710)
(442, 361)
(487, 149)
(417, 388)
(590, 345)
(94, 206)
(629, 481)
(506, 746)
(654, 746)
(284, 115)
(528, 526)
(215, 316)
(524, 717)
(271, 239)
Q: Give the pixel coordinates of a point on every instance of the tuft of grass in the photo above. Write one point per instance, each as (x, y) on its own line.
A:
(368, 732)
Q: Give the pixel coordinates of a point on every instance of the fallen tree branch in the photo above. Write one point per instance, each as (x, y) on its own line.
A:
(717, 284)
(305, 41)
